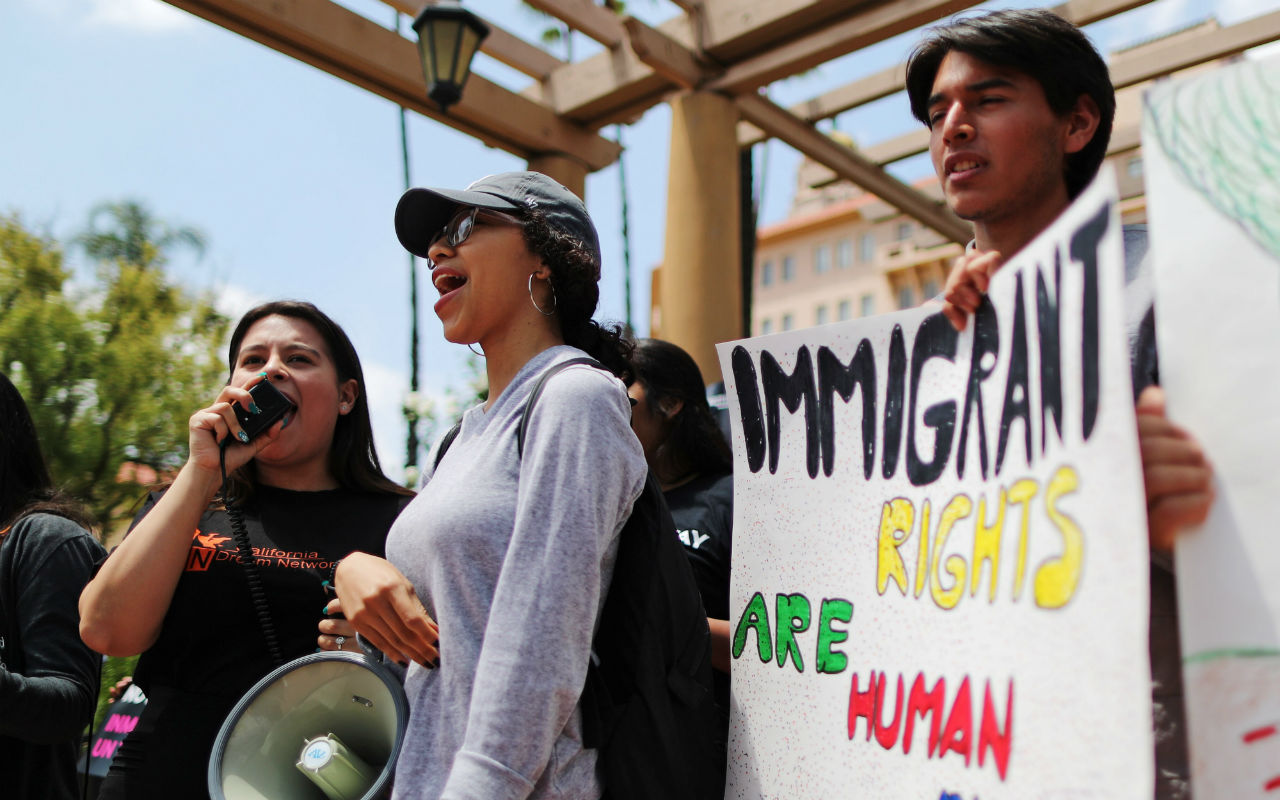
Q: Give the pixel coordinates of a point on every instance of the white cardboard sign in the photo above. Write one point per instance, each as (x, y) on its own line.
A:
(1211, 145)
(940, 557)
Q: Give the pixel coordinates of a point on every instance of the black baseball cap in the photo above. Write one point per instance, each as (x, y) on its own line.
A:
(422, 213)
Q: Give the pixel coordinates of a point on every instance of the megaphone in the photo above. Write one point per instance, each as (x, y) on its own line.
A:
(327, 725)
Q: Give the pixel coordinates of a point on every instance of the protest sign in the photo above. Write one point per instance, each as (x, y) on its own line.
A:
(1212, 149)
(121, 718)
(940, 553)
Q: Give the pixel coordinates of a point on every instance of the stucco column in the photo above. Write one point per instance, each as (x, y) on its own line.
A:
(570, 173)
(700, 295)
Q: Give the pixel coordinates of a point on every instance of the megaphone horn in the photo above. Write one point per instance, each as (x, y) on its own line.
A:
(328, 725)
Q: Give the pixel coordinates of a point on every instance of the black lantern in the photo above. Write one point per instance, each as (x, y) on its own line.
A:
(448, 37)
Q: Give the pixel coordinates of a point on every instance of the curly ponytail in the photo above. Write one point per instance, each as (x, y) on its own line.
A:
(575, 274)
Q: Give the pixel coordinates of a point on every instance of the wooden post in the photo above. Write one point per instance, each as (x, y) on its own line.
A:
(700, 292)
(570, 173)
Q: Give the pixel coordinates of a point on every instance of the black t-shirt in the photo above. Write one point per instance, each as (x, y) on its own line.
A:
(211, 650)
(703, 512)
(48, 677)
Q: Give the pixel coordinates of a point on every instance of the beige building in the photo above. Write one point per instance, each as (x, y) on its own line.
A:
(842, 253)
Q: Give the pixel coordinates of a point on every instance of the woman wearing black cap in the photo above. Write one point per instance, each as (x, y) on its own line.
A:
(511, 553)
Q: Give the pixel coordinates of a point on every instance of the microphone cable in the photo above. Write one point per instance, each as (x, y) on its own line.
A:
(256, 591)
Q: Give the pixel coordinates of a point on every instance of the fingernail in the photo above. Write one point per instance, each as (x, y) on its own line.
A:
(287, 419)
(262, 374)
(317, 649)
(242, 436)
(253, 408)
(326, 609)
(325, 584)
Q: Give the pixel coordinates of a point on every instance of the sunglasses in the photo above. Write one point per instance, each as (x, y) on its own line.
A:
(459, 227)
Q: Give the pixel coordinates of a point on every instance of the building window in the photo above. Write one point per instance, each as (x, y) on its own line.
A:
(821, 317)
(867, 305)
(930, 289)
(766, 274)
(866, 247)
(1134, 167)
(788, 268)
(844, 311)
(906, 297)
(821, 259)
(844, 254)
(788, 322)
(766, 327)
(904, 231)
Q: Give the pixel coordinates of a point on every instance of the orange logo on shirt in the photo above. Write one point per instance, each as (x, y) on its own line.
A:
(204, 549)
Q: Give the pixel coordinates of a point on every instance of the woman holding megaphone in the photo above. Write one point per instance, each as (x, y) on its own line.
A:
(212, 609)
(511, 551)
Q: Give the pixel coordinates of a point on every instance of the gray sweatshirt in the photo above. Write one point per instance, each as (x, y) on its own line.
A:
(512, 557)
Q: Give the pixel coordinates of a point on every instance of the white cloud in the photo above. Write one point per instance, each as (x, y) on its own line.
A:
(147, 16)
(234, 300)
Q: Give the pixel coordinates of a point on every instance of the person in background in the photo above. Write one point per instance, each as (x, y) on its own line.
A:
(310, 490)
(688, 453)
(48, 677)
(512, 553)
(1019, 107)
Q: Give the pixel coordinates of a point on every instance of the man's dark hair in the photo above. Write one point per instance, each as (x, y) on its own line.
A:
(1039, 43)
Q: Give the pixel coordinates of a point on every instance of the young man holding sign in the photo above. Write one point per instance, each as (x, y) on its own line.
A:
(1020, 106)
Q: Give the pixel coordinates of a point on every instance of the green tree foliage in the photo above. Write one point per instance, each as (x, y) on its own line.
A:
(111, 370)
(127, 231)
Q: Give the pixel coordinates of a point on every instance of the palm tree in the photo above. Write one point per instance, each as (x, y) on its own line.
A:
(128, 231)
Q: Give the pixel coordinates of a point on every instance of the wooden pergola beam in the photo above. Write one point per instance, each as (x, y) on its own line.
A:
(891, 80)
(1126, 70)
(356, 49)
(665, 56)
(595, 21)
(617, 85)
(500, 44)
(866, 27)
(847, 163)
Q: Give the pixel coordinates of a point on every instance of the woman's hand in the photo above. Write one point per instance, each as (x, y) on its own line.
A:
(211, 426)
(336, 631)
(382, 605)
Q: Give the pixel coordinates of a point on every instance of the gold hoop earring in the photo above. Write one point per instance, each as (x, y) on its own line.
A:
(554, 300)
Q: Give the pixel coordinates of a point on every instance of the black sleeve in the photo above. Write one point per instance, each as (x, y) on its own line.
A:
(1146, 359)
(51, 700)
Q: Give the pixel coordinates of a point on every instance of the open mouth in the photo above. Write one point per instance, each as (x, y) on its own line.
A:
(446, 283)
(963, 166)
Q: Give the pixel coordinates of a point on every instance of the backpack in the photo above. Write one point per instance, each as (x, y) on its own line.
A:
(647, 706)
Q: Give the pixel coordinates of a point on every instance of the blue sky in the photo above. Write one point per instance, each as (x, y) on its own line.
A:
(293, 174)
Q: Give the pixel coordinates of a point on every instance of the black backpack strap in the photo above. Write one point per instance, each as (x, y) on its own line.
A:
(537, 392)
(446, 442)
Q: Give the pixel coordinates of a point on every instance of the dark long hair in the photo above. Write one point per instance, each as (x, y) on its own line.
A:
(575, 277)
(353, 461)
(696, 443)
(1040, 44)
(25, 485)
